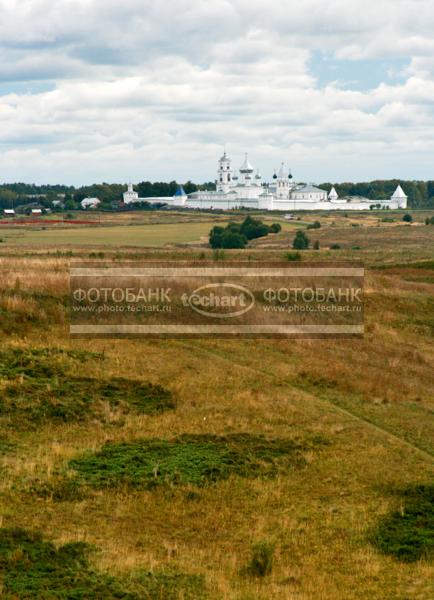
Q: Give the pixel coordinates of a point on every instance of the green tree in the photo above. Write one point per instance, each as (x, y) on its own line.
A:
(215, 237)
(8, 198)
(301, 241)
(252, 228)
(70, 204)
(232, 239)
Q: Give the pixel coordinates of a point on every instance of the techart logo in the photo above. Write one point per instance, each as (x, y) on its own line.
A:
(220, 300)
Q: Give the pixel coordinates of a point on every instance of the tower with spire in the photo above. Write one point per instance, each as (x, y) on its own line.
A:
(283, 181)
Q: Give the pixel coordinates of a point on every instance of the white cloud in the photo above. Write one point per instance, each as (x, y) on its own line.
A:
(151, 89)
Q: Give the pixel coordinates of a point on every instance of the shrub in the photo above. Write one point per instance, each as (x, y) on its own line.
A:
(293, 256)
(314, 225)
(232, 239)
(236, 235)
(254, 229)
(301, 241)
(429, 220)
(335, 247)
(316, 245)
(407, 218)
(261, 562)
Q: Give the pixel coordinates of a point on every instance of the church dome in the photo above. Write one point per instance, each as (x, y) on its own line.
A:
(246, 167)
(180, 191)
(224, 158)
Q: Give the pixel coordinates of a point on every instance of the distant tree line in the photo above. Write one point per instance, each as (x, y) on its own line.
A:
(420, 193)
(13, 195)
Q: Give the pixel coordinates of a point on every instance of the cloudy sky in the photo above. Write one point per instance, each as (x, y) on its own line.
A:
(107, 90)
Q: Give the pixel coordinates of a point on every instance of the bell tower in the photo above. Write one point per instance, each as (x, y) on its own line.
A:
(224, 174)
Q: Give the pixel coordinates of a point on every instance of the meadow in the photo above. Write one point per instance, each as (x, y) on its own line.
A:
(218, 469)
(111, 235)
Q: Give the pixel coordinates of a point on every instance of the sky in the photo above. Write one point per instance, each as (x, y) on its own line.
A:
(102, 90)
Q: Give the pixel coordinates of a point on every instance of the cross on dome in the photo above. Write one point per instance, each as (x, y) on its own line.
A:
(282, 171)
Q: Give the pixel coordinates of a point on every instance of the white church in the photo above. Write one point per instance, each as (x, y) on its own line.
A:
(246, 189)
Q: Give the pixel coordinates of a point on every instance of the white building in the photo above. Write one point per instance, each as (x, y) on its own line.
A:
(90, 202)
(130, 195)
(399, 197)
(246, 189)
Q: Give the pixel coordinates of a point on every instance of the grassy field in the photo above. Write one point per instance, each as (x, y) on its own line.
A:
(183, 469)
(159, 228)
(124, 235)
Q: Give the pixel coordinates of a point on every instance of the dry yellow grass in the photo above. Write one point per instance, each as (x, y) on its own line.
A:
(372, 399)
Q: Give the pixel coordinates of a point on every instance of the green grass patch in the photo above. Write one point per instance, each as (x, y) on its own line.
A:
(408, 533)
(43, 309)
(39, 387)
(32, 568)
(6, 446)
(189, 459)
(420, 323)
(78, 398)
(422, 264)
(41, 362)
(419, 279)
